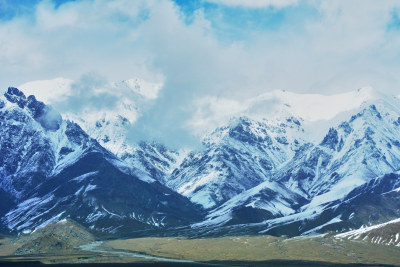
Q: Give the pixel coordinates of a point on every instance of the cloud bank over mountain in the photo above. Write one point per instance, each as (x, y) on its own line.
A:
(201, 51)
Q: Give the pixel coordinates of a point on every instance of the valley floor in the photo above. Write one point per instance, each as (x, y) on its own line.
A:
(224, 251)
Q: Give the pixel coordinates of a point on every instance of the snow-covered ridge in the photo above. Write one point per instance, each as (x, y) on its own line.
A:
(385, 234)
(268, 196)
(365, 229)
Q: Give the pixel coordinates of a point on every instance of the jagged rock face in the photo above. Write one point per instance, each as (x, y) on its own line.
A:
(300, 172)
(26, 156)
(76, 135)
(33, 146)
(16, 96)
(331, 140)
(45, 115)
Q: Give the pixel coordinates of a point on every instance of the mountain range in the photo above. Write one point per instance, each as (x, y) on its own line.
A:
(312, 164)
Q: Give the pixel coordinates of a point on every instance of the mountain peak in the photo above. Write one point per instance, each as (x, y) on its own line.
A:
(256, 131)
(45, 115)
(14, 95)
(146, 89)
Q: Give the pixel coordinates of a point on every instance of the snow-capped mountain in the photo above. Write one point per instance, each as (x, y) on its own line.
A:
(236, 157)
(313, 164)
(51, 169)
(357, 150)
(28, 152)
(317, 172)
(323, 175)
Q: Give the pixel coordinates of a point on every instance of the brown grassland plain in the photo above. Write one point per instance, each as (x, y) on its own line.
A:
(223, 249)
(261, 248)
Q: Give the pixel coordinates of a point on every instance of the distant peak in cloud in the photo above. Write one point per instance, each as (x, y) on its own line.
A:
(255, 3)
(212, 112)
(144, 88)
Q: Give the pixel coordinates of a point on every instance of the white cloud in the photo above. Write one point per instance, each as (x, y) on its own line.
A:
(49, 91)
(255, 3)
(212, 112)
(340, 46)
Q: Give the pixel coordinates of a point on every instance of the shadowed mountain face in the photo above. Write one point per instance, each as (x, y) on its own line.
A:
(253, 176)
(100, 196)
(5, 202)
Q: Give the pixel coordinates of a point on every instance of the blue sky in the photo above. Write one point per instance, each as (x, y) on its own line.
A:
(11, 8)
(226, 50)
(233, 22)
